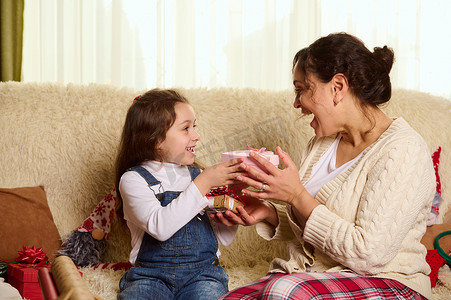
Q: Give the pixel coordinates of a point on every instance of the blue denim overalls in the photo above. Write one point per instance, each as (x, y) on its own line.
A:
(183, 267)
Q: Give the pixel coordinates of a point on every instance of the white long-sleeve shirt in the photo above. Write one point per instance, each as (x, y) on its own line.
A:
(143, 211)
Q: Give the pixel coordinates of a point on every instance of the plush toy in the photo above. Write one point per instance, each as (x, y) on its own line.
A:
(437, 241)
(86, 244)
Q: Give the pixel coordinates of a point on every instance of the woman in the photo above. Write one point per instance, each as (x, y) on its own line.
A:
(357, 208)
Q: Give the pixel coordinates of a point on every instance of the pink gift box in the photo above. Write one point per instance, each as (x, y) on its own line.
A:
(268, 155)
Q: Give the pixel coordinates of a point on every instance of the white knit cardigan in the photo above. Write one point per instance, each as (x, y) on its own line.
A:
(372, 216)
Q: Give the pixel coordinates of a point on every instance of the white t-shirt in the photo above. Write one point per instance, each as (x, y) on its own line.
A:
(143, 211)
(325, 170)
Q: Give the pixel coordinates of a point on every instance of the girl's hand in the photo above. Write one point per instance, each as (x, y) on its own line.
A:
(284, 185)
(253, 212)
(224, 173)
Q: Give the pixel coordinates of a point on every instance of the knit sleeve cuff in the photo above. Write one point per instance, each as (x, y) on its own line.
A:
(281, 232)
(318, 226)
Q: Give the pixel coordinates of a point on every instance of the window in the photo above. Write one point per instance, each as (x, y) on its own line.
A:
(234, 43)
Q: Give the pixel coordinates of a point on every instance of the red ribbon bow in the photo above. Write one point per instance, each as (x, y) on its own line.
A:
(31, 255)
(224, 190)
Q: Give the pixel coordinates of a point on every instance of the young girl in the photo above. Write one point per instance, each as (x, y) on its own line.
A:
(174, 245)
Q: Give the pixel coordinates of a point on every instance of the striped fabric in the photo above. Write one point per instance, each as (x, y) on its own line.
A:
(342, 285)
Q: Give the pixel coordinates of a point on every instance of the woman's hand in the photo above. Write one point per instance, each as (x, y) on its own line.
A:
(224, 173)
(283, 185)
(253, 212)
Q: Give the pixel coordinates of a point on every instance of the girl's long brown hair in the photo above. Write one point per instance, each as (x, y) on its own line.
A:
(147, 121)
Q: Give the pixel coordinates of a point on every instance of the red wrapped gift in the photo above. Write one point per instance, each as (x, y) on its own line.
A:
(24, 277)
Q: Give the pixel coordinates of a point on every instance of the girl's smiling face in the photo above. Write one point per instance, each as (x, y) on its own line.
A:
(315, 97)
(181, 138)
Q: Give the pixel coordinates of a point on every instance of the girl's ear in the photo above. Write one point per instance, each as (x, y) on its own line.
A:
(158, 145)
(340, 87)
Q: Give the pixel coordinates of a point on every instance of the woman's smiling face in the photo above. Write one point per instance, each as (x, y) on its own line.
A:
(315, 97)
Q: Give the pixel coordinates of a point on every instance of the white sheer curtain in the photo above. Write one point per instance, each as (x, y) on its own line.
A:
(235, 43)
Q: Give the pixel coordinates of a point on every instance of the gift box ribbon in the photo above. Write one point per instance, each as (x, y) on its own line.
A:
(224, 190)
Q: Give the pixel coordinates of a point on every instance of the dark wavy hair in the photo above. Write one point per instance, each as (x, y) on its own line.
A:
(367, 72)
(146, 124)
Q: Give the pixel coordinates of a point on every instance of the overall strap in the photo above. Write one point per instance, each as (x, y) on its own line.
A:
(193, 171)
(150, 179)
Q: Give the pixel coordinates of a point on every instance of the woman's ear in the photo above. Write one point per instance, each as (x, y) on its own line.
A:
(340, 87)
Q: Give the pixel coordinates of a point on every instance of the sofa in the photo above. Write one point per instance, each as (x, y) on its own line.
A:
(64, 137)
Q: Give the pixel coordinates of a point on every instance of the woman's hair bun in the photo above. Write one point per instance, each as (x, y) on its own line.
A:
(385, 56)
